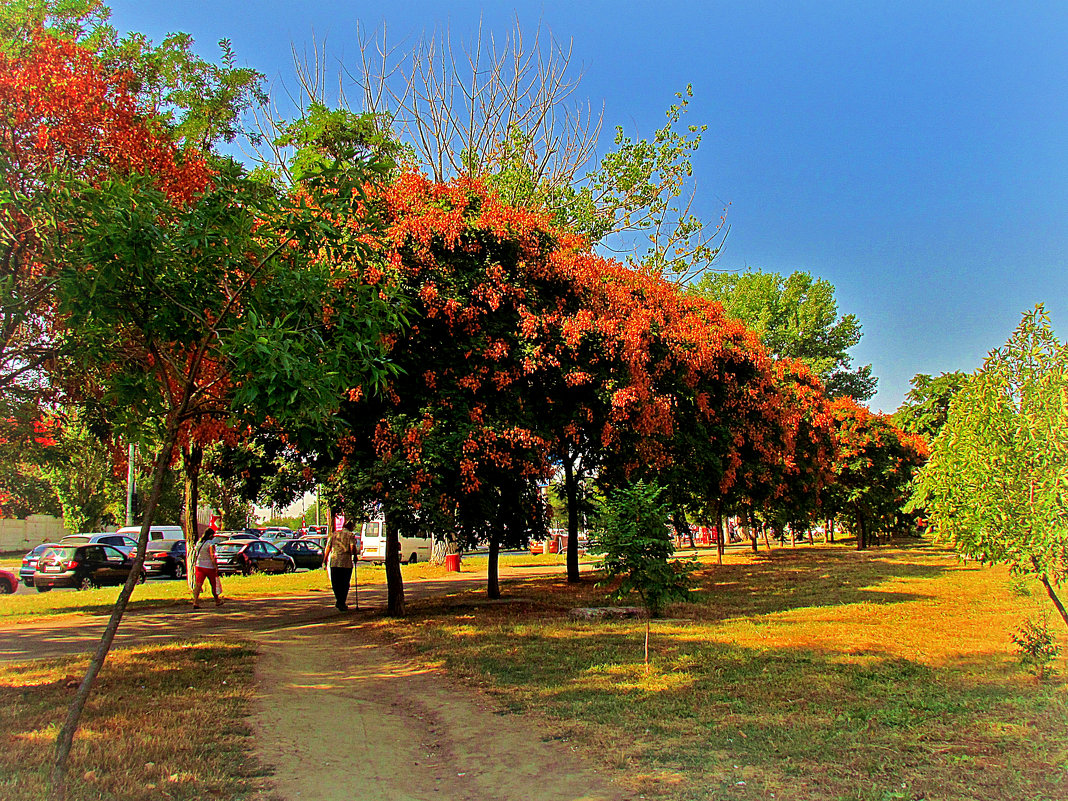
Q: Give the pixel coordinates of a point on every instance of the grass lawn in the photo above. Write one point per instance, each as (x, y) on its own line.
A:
(815, 672)
(150, 733)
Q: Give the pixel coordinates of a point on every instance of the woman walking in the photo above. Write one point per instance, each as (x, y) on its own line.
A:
(206, 566)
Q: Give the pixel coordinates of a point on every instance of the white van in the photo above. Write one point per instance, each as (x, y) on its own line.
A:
(155, 532)
(412, 549)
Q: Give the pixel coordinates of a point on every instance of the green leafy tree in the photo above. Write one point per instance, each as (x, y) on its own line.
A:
(995, 484)
(80, 468)
(632, 537)
(246, 302)
(796, 317)
(926, 406)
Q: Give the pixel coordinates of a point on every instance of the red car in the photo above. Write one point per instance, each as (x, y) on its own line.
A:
(9, 582)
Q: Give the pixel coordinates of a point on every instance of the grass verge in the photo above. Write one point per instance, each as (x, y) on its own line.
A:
(807, 673)
(146, 732)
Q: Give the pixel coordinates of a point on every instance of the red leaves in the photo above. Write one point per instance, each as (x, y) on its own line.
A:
(60, 110)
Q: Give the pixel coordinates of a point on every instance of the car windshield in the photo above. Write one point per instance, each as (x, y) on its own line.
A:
(78, 539)
(58, 553)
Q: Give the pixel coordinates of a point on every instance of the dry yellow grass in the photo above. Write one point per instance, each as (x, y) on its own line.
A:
(163, 722)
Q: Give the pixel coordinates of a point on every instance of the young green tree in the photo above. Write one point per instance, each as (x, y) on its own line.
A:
(996, 481)
(632, 536)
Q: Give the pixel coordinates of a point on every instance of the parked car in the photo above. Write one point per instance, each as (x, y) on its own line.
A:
(305, 553)
(166, 558)
(9, 582)
(154, 532)
(126, 544)
(318, 539)
(238, 534)
(29, 562)
(275, 533)
(82, 567)
(252, 556)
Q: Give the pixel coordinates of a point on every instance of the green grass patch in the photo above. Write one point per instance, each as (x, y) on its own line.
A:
(807, 673)
(162, 722)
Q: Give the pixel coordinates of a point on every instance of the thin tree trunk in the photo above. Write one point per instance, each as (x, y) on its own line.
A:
(65, 739)
(394, 580)
(1051, 592)
(493, 585)
(767, 539)
(862, 534)
(647, 621)
(571, 490)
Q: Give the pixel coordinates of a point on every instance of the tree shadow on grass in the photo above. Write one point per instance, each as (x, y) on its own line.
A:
(739, 722)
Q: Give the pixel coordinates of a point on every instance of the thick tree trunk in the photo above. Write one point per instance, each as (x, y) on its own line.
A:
(493, 585)
(65, 739)
(394, 580)
(830, 528)
(862, 534)
(571, 489)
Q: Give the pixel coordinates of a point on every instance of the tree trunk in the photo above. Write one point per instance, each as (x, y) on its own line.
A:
(192, 458)
(862, 534)
(830, 529)
(571, 490)
(394, 580)
(721, 534)
(1051, 592)
(65, 739)
(681, 524)
(493, 585)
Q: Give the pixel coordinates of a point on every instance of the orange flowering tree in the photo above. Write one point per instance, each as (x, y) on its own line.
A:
(874, 468)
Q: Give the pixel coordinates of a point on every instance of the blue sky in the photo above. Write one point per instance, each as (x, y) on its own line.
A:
(911, 153)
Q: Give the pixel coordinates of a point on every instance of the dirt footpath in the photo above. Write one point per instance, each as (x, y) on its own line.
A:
(343, 720)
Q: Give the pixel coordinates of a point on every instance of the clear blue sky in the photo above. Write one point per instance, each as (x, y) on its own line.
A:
(912, 153)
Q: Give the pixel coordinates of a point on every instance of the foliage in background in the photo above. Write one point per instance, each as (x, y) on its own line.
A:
(995, 486)
(926, 406)
(796, 317)
(874, 469)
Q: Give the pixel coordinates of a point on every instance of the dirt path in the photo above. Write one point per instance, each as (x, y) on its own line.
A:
(340, 718)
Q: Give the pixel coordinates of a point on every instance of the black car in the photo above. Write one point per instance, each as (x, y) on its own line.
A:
(29, 562)
(83, 567)
(126, 544)
(317, 539)
(252, 556)
(166, 558)
(304, 552)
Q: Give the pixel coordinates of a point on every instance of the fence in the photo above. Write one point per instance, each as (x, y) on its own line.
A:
(21, 535)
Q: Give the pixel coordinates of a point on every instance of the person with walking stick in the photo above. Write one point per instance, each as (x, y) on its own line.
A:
(341, 547)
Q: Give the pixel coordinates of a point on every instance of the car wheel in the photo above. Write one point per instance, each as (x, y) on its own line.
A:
(6, 588)
(290, 567)
(87, 583)
(179, 570)
(39, 588)
(246, 569)
(143, 578)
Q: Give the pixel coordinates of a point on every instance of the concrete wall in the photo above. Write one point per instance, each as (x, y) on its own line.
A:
(21, 535)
